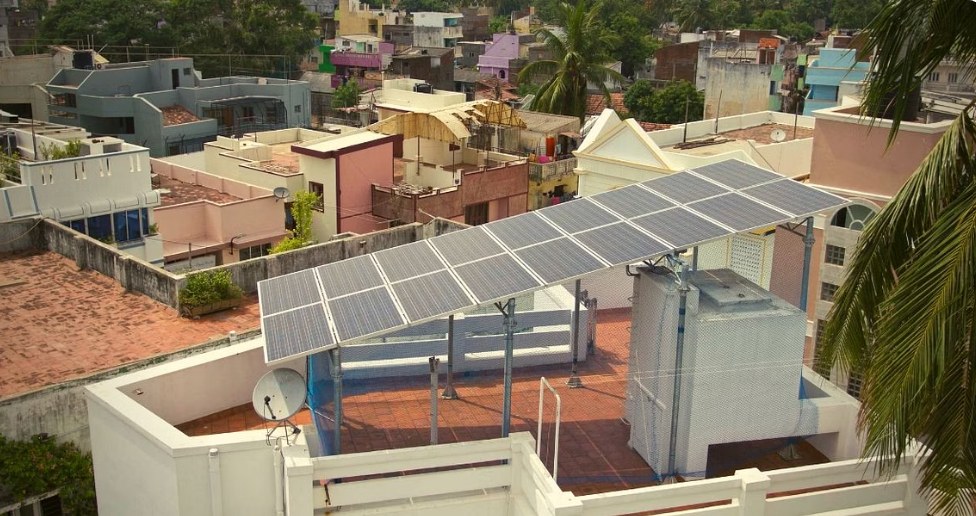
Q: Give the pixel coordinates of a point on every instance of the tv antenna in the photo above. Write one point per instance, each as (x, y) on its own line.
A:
(281, 193)
(777, 135)
(278, 396)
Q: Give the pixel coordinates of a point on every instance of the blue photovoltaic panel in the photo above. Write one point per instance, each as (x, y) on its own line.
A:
(620, 243)
(496, 277)
(348, 276)
(466, 246)
(288, 291)
(296, 332)
(684, 188)
(522, 230)
(736, 174)
(794, 197)
(679, 227)
(578, 215)
(559, 260)
(364, 313)
(738, 212)
(407, 261)
(632, 201)
(430, 295)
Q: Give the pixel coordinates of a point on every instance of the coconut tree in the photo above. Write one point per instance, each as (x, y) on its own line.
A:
(905, 317)
(579, 56)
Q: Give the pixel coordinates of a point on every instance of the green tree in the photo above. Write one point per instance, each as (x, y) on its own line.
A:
(133, 22)
(854, 14)
(301, 211)
(413, 6)
(498, 24)
(634, 43)
(665, 105)
(29, 468)
(784, 25)
(694, 14)
(579, 56)
(346, 95)
(903, 318)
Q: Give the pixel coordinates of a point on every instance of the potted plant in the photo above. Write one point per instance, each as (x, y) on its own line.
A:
(207, 292)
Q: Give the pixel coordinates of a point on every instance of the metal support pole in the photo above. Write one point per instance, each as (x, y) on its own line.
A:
(808, 241)
(337, 394)
(694, 259)
(509, 311)
(574, 381)
(434, 362)
(678, 359)
(449, 392)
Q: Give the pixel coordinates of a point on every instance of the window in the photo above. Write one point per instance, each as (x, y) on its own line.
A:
(852, 217)
(854, 384)
(772, 87)
(475, 214)
(144, 213)
(934, 76)
(127, 225)
(827, 291)
(186, 71)
(319, 190)
(953, 77)
(501, 74)
(255, 251)
(64, 99)
(77, 225)
(834, 255)
(298, 108)
(100, 227)
(127, 125)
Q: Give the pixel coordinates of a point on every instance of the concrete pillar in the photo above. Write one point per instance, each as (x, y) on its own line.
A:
(298, 481)
(755, 486)
(81, 258)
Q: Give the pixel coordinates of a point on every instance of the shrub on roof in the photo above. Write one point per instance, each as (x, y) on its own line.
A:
(34, 467)
(207, 288)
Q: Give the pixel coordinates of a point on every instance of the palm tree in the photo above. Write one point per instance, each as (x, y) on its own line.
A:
(905, 317)
(579, 56)
(693, 14)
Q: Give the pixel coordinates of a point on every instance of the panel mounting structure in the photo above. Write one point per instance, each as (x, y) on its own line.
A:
(367, 296)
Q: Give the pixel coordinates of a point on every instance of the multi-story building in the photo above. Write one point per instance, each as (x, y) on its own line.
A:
(356, 57)
(22, 78)
(498, 56)
(825, 73)
(412, 96)
(474, 23)
(951, 77)
(97, 186)
(356, 17)
(432, 29)
(166, 106)
(434, 66)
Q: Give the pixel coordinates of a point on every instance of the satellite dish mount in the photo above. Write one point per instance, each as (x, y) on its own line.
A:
(777, 135)
(278, 396)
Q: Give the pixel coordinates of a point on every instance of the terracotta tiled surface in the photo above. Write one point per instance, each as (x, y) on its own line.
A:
(595, 104)
(761, 133)
(180, 192)
(61, 323)
(175, 115)
(594, 456)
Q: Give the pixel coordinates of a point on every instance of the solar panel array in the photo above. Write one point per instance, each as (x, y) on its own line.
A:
(317, 309)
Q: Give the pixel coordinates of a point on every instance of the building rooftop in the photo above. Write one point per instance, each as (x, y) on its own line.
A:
(62, 323)
(395, 413)
(595, 104)
(176, 192)
(346, 140)
(739, 139)
(175, 115)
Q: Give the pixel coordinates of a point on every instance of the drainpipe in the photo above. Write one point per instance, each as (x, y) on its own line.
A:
(574, 381)
(449, 392)
(678, 359)
(216, 495)
(808, 241)
(279, 487)
(337, 395)
(433, 362)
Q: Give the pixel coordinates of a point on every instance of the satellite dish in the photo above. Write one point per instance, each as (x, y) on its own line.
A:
(279, 394)
(281, 192)
(777, 135)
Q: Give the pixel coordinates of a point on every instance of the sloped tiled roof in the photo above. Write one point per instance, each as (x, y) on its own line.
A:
(595, 104)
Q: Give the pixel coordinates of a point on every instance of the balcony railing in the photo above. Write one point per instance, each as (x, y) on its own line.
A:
(553, 170)
(357, 59)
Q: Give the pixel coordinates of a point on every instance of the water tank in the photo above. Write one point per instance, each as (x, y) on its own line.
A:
(423, 88)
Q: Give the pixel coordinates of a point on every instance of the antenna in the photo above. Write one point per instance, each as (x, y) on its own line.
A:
(279, 395)
(281, 193)
(777, 135)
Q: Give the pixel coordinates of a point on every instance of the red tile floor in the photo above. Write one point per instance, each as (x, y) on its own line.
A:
(593, 456)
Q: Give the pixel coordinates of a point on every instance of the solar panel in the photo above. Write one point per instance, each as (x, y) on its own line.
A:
(288, 291)
(736, 174)
(578, 215)
(348, 276)
(632, 201)
(523, 230)
(684, 188)
(296, 332)
(620, 243)
(430, 295)
(559, 260)
(364, 313)
(794, 197)
(679, 227)
(496, 277)
(466, 246)
(737, 211)
(407, 261)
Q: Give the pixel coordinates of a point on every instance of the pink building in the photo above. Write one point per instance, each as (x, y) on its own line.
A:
(498, 56)
(211, 220)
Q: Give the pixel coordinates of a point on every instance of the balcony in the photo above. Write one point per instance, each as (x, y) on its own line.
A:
(539, 172)
(372, 61)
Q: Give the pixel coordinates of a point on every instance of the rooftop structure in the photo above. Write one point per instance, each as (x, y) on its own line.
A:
(826, 72)
(136, 103)
(22, 78)
(433, 65)
(413, 96)
(356, 17)
(432, 29)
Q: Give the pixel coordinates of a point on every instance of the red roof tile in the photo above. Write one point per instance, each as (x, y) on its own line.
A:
(595, 104)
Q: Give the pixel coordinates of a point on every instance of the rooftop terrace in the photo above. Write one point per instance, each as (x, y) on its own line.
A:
(178, 192)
